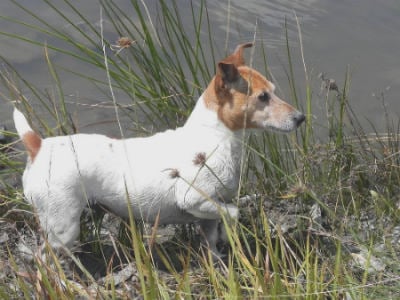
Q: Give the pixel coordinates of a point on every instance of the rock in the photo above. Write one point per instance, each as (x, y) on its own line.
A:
(367, 261)
(315, 213)
(119, 277)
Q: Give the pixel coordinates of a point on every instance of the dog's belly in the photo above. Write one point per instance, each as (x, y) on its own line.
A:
(160, 209)
(166, 215)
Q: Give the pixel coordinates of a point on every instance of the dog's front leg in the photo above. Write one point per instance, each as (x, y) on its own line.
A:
(210, 213)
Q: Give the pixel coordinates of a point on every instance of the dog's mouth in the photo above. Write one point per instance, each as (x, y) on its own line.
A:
(280, 130)
(287, 126)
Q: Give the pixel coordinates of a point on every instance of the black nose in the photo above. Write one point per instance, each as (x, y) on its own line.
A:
(299, 118)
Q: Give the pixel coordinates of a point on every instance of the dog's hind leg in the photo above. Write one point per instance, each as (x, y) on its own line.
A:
(59, 218)
(59, 233)
(210, 235)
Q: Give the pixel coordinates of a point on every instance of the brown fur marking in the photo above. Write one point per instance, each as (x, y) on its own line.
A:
(32, 142)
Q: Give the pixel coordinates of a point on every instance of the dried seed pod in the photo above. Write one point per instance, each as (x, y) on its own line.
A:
(200, 159)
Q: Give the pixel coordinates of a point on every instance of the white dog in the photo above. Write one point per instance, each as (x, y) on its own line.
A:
(179, 176)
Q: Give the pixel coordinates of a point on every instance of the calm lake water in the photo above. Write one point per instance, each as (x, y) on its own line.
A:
(362, 35)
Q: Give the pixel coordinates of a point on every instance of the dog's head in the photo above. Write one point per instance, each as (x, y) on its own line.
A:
(243, 98)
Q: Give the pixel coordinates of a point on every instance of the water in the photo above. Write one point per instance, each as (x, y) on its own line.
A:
(337, 35)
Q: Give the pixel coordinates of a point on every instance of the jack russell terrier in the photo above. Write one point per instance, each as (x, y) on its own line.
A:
(178, 176)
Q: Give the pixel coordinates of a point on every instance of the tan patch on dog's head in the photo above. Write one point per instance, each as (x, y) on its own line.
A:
(243, 98)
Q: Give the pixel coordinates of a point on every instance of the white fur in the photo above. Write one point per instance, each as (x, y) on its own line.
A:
(70, 171)
(21, 125)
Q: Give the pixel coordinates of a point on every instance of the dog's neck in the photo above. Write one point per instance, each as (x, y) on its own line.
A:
(206, 128)
(204, 120)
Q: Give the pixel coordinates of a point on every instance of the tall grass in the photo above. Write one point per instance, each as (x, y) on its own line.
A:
(162, 71)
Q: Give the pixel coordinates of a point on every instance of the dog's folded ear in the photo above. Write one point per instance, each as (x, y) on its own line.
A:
(227, 68)
(228, 72)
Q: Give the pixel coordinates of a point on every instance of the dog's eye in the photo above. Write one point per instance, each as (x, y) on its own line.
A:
(264, 97)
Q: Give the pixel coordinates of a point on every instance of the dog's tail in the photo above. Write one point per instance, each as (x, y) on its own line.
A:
(31, 139)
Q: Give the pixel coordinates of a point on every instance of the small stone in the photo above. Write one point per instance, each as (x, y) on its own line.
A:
(119, 277)
(315, 212)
